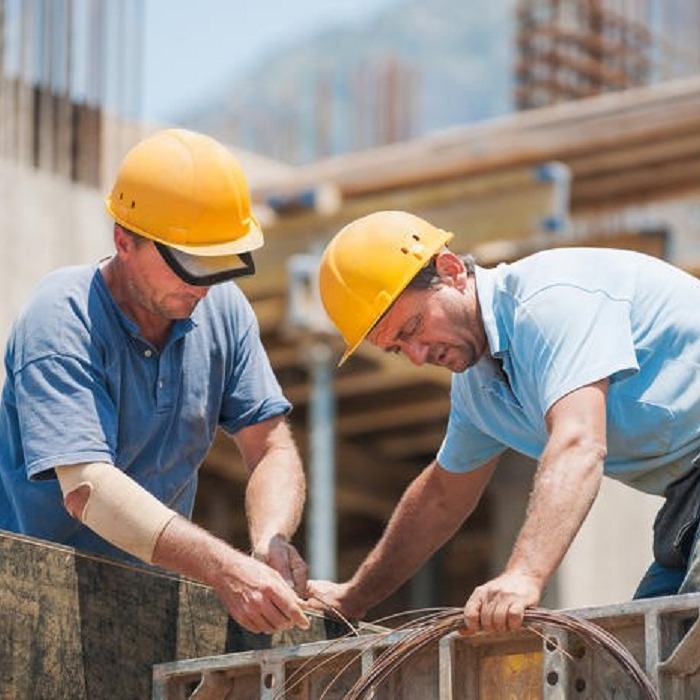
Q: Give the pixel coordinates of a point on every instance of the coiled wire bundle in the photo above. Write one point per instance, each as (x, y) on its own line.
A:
(430, 625)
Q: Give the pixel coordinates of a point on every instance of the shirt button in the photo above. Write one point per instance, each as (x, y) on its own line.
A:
(160, 384)
(147, 353)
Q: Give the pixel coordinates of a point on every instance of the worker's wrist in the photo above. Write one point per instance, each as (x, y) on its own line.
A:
(355, 601)
(224, 563)
(263, 544)
(525, 570)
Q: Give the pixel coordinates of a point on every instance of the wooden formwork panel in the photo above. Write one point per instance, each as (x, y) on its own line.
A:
(76, 627)
(547, 662)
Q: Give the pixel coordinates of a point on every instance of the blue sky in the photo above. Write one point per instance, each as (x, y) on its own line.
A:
(192, 47)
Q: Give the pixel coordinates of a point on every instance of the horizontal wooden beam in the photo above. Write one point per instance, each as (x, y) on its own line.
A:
(560, 132)
(406, 415)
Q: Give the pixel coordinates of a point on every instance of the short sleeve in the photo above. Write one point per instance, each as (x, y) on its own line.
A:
(252, 392)
(464, 447)
(65, 415)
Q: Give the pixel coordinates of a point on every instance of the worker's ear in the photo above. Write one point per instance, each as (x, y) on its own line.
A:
(451, 269)
(124, 241)
(121, 238)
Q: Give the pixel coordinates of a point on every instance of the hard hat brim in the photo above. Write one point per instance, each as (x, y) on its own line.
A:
(251, 241)
(349, 351)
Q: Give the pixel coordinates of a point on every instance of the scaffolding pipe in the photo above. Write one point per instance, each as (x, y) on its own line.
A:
(321, 527)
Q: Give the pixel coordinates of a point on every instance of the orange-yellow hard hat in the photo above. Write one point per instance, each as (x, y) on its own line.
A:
(368, 264)
(186, 191)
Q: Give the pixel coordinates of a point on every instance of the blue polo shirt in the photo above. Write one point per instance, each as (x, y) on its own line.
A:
(82, 385)
(561, 319)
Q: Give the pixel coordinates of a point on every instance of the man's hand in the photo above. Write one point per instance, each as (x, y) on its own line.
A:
(254, 594)
(330, 597)
(499, 605)
(283, 557)
(258, 598)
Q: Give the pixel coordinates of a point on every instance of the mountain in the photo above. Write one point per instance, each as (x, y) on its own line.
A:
(418, 66)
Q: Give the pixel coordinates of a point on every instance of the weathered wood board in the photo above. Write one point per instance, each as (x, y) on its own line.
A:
(82, 628)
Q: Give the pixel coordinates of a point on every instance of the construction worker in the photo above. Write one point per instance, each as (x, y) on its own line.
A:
(119, 373)
(584, 359)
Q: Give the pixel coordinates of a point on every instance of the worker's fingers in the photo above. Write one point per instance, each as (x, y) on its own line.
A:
(515, 616)
(486, 616)
(272, 619)
(472, 614)
(299, 618)
(291, 610)
(499, 605)
(284, 558)
(268, 613)
(248, 622)
(485, 611)
(248, 608)
(300, 574)
(260, 600)
(287, 604)
(500, 614)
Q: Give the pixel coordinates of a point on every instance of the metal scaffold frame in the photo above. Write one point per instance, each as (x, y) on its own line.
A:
(569, 49)
(663, 635)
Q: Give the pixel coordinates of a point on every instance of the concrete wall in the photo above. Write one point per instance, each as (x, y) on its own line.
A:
(48, 222)
(612, 550)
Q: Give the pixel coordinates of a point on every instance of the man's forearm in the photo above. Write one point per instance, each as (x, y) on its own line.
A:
(255, 595)
(124, 513)
(566, 486)
(113, 505)
(186, 548)
(275, 497)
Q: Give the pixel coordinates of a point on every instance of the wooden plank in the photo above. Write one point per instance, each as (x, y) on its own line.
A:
(597, 125)
(384, 418)
(80, 627)
(650, 241)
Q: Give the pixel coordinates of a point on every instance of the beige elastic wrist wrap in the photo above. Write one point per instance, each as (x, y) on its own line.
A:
(117, 508)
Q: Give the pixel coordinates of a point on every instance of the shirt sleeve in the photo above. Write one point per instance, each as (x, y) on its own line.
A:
(465, 447)
(65, 414)
(252, 393)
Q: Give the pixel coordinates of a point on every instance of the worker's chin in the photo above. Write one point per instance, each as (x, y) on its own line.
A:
(183, 309)
(453, 365)
(454, 360)
(458, 366)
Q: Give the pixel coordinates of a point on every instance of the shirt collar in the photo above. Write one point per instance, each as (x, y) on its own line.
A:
(487, 280)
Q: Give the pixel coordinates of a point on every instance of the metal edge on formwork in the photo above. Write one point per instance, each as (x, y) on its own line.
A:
(666, 656)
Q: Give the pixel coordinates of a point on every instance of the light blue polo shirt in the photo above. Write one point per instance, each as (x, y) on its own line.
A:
(82, 385)
(561, 319)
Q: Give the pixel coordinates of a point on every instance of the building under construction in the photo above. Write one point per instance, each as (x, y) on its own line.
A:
(571, 49)
(619, 166)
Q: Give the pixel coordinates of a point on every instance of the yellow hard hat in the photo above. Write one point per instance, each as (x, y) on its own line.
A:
(368, 264)
(187, 192)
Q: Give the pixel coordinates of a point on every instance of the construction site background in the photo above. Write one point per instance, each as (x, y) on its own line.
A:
(604, 150)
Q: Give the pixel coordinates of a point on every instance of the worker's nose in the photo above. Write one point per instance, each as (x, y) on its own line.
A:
(416, 352)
